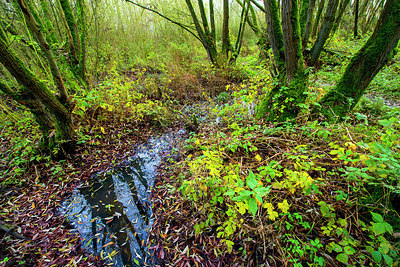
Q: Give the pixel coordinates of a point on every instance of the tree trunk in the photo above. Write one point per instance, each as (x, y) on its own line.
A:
(226, 43)
(317, 18)
(363, 67)
(243, 20)
(326, 28)
(307, 27)
(83, 32)
(34, 28)
(49, 25)
(41, 115)
(212, 21)
(303, 14)
(356, 18)
(62, 117)
(342, 9)
(282, 103)
(204, 39)
(275, 33)
(72, 25)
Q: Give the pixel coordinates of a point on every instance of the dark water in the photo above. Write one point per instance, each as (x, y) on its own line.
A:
(113, 215)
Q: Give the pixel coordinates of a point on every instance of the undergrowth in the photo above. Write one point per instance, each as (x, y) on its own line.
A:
(298, 194)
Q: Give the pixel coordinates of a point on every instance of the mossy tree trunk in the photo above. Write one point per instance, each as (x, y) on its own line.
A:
(39, 111)
(321, 5)
(258, 30)
(282, 103)
(76, 32)
(36, 31)
(342, 9)
(326, 28)
(308, 25)
(363, 67)
(37, 89)
(275, 33)
(226, 43)
(355, 30)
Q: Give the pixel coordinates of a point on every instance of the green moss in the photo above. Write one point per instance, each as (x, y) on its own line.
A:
(283, 101)
(303, 15)
(51, 37)
(69, 16)
(363, 67)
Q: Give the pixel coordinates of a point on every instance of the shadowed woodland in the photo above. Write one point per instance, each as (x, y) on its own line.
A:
(243, 132)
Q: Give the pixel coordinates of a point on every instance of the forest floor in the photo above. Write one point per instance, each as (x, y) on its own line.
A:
(37, 235)
(255, 192)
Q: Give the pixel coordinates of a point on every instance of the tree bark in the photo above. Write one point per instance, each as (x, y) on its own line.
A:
(326, 28)
(62, 117)
(41, 115)
(204, 39)
(34, 28)
(226, 43)
(282, 103)
(212, 21)
(275, 33)
(342, 9)
(356, 18)
(83, 32)
(307, 27)
(364, 66)
(317, 18)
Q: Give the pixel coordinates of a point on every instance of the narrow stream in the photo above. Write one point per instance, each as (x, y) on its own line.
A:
(113, 215)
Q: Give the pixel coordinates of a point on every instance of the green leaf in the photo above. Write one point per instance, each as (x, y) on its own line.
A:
(349, 250)
(377, 256)
(385, 247)
(229, 193)
(253, 206)
(229, 245)
(388, 227)
(262, 191)
(376, 217)
(388, 260)
(337, 248)
(342, 258)
(251, 180)
(379, 228)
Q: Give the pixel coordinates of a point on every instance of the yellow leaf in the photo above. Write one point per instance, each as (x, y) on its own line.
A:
(102, 130)
(364, 158)
(284, 206)
(273, 215)
(33, 205)
(258, 157)
(106, 245)
(203, 187)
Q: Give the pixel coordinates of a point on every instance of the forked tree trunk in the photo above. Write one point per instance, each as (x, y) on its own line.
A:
(282, 103)
(363, 67)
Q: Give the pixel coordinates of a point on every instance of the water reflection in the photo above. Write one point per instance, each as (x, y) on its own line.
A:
(113, 215)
